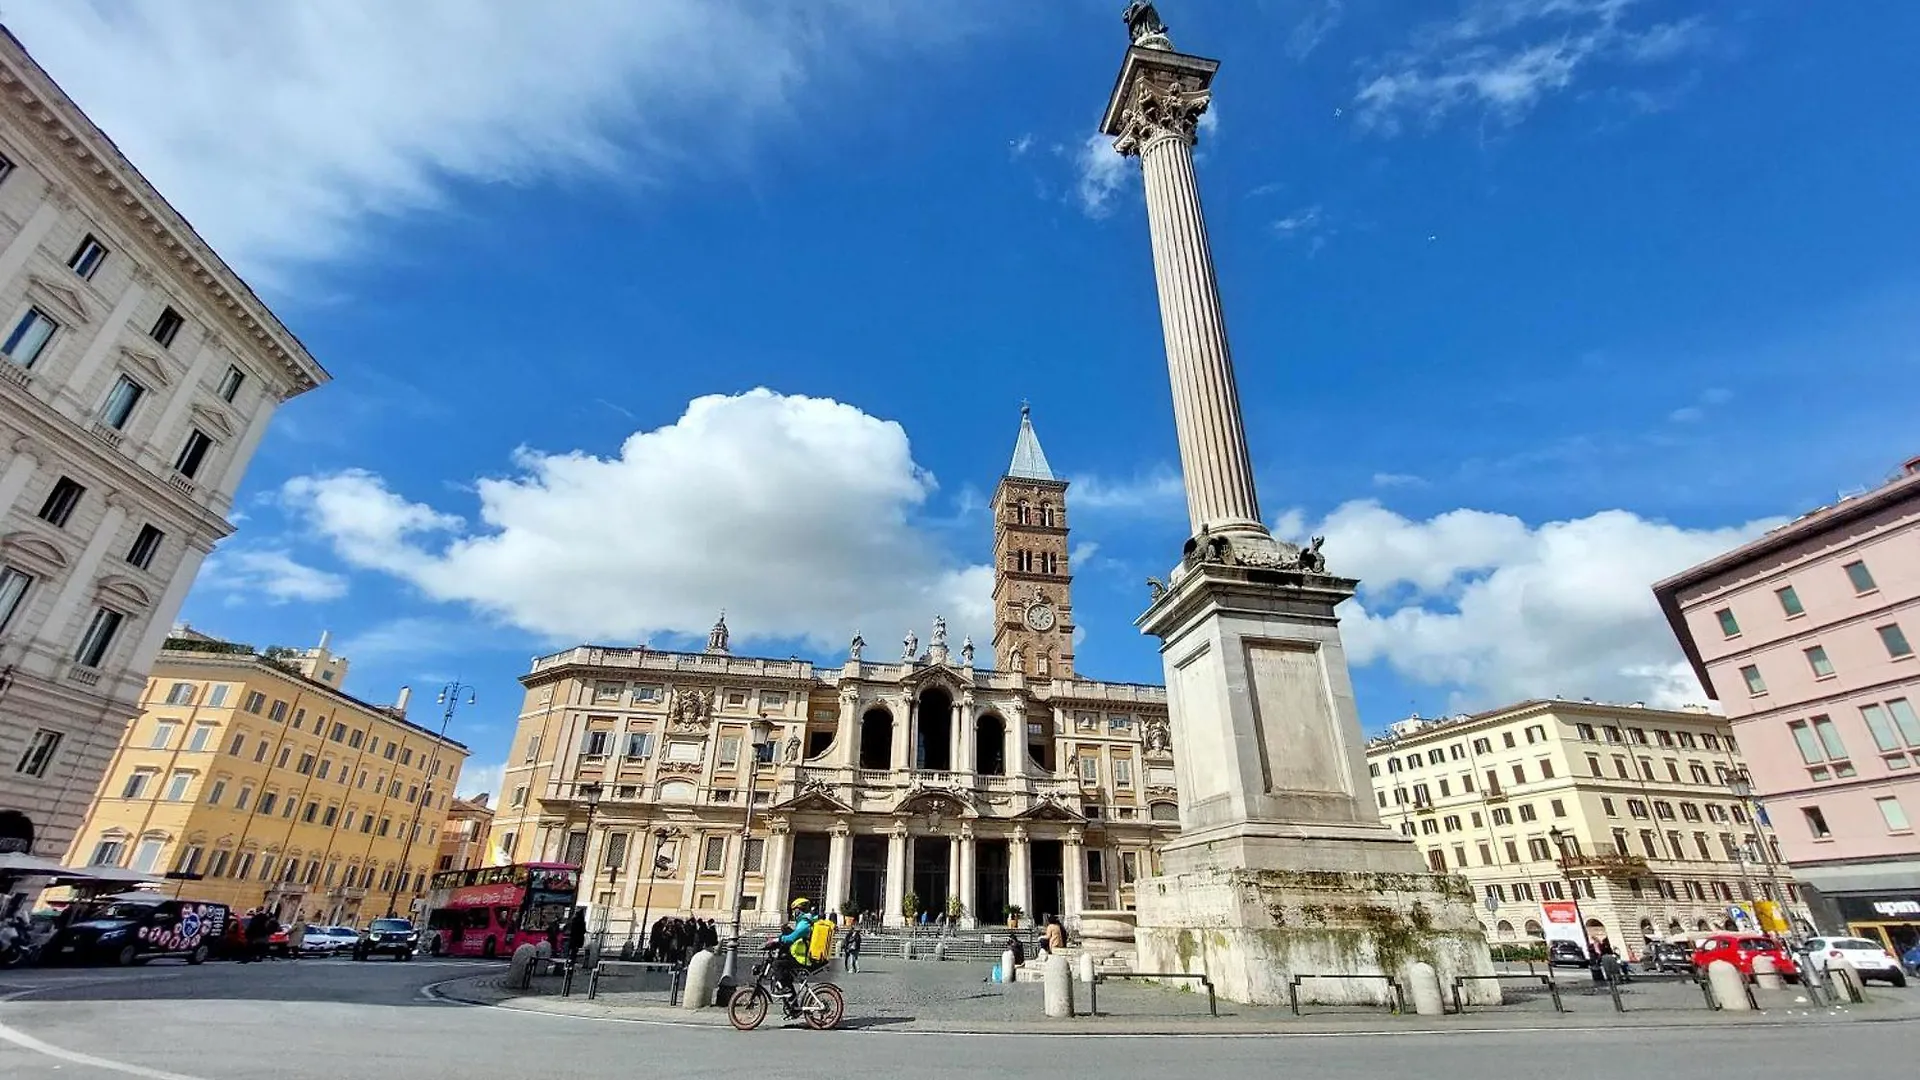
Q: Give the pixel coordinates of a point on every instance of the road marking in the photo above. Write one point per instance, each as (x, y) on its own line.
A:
(28, 1042)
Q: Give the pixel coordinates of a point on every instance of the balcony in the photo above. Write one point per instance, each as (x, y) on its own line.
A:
(85, 676)
(1608, 864)
(181, 484)
(13, 372)
(104, 434)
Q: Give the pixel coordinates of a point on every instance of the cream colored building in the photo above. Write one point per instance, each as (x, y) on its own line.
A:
(264, 777)
(1654, 839)
(466, 839)
(137, 375)
(920, 773)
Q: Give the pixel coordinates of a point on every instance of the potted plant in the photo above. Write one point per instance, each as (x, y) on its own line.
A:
(1014, 911)
(850, 910)
(910, 906)
(955, 909)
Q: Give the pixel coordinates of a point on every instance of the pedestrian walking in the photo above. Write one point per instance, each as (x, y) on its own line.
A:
(297, 934)
(576, 933)
(259, 931)
(850, 950)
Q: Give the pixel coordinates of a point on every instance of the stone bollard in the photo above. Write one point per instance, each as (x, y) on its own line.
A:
(1057, 979)
(1423, 985)
(703, 979)
(940, 951)
(1086, 967)
(1729, 986)
(1847, 986)
(520, 968)
(1006, 966)
(1766, 974)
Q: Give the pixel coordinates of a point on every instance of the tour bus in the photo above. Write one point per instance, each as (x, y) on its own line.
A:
(492, 910)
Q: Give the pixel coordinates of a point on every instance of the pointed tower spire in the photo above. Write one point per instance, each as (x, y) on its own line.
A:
(717, 638)
(1029, 461)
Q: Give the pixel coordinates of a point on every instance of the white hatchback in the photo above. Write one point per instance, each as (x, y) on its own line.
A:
(1867, 957)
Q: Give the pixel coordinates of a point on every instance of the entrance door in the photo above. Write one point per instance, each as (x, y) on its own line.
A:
(1049, 879)
(869, 885)
(809, 874)
(990, 882)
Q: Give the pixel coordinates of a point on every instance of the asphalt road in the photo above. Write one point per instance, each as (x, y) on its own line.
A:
(334, 1019)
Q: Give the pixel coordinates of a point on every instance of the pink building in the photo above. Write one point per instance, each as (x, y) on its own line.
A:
(1807, 636)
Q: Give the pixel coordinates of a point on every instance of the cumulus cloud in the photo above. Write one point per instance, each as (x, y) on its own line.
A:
(1156, 491)
(270, 575)
(284, 125)
(1504, 56)
(479, 780)
(1101, 173)
(795, 514)
(1494, 609)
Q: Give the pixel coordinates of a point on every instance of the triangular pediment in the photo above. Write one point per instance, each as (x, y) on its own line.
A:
(147, 364)
(216, 423)
(33, 553)
(1050, 809)
(945, 676)
(66, 301)
(814, 802)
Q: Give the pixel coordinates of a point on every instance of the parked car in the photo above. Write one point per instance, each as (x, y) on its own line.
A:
(279, 943)
(1566, 954)
(1867, 957)
(394, 937)
(1741, 950)
(327, 940)
(1674, 956)
(133, 932)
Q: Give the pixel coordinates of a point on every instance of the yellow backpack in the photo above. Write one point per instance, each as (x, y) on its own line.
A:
(820, 941)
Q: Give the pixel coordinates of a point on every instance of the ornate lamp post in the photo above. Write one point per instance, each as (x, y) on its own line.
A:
(660, 837)
(761, 733)
(1740, 784)
(1560, 841)
(450, 700)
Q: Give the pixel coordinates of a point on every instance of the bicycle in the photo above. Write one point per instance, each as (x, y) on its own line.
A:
(819, 1004)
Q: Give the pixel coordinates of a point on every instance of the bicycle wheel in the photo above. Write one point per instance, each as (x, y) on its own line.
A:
(747, 1008)
(828, 1007)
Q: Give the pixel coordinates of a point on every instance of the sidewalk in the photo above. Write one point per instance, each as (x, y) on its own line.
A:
(929, 998)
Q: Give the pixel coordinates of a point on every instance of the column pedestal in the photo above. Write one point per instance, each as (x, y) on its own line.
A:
(839, 868)
(1020, 874)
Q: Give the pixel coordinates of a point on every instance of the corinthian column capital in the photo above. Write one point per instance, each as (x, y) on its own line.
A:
(1161, 105)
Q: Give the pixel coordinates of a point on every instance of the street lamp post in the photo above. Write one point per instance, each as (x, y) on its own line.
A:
(1740, 783)
(660, 837)
(1560, 841)
(761, 733)
(450, 699)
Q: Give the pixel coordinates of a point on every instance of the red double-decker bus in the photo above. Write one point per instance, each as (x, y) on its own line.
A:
(493, 910)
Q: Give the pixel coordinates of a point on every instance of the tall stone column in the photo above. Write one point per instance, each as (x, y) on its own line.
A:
(1281, 859)
(956, 757)
(896, 873)
(1073, 860)
(1020, 872)
(774, 860)
(1016, 739)
(19, 470)
(964, 889)
(839, 867)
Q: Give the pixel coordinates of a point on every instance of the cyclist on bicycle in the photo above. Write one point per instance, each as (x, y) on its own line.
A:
(794, 955)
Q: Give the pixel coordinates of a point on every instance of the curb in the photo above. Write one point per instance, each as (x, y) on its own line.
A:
(1134, 1028)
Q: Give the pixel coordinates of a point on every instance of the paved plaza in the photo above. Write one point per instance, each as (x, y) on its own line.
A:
(315, 1019)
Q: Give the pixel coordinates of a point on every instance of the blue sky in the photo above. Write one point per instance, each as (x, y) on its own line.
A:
(639, 311)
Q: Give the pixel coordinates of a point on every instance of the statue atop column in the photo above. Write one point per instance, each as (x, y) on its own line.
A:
(1144, 23)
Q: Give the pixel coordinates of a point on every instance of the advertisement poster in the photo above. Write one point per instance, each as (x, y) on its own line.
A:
(1561, 918)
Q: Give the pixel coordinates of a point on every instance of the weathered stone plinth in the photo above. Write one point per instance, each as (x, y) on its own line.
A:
(1252, 931)
(1106, 938)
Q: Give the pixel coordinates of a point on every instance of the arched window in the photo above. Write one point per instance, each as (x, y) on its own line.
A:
(1046, 515)
(1504, 929)
(1022, 513)
(1534, 931)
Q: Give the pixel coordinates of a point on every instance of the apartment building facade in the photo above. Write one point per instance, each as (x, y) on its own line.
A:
(138, 374)
(1807, 636)
(466, 840)
(260, 785)
(1628, 810)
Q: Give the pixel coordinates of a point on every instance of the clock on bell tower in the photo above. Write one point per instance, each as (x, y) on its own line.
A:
(1032, 583)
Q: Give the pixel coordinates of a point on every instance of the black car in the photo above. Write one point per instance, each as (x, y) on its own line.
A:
(133, 932)
(1566, 954)
(394, 937)
(1669, 956)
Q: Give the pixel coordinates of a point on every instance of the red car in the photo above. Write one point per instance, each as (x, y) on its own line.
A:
(1740, 950)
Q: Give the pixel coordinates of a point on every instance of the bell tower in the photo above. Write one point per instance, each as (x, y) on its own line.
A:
(1032, 583)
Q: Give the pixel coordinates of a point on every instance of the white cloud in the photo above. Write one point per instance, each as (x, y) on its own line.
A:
(1102, 172)
(277, 128)
(1313, 27)
(1505, 56)
(794, 514)
(1300, 221)
(480, 780)
(1019, 147)
(1389, 479)
(1497, 610)
(1687, 414)
(271, 575)
(1158, 491)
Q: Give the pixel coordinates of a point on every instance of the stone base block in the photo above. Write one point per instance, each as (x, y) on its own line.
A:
(1251, 932)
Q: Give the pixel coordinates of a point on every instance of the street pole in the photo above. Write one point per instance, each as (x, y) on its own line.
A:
(760, 731)
(653, 872)
(449, 697)
(1573, 889)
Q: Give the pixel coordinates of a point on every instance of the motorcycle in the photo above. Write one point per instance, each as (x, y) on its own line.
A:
(17, 947)
(819, 1004)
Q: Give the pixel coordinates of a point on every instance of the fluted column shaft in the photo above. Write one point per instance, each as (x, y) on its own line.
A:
(1206, 401)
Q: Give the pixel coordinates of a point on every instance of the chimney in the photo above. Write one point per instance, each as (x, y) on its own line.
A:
(400, 703)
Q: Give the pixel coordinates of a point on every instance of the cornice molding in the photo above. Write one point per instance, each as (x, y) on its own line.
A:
(93, 163)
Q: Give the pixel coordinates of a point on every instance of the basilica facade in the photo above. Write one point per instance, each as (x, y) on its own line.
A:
(912, 785)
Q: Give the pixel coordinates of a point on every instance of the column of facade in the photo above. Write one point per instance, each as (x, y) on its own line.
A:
(964, 889)
(896, 874)
(19, 471)
(775, 861)
(969, 751)
(903, 735)
(956, 757)
(80, 579)
(241, 453)
(1073, 860)
(1016, 739)
(690, 868)
(79, 384)
(839, 867)
(846, 746)
(1020, 872)
(44, 217)
(953, 872)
